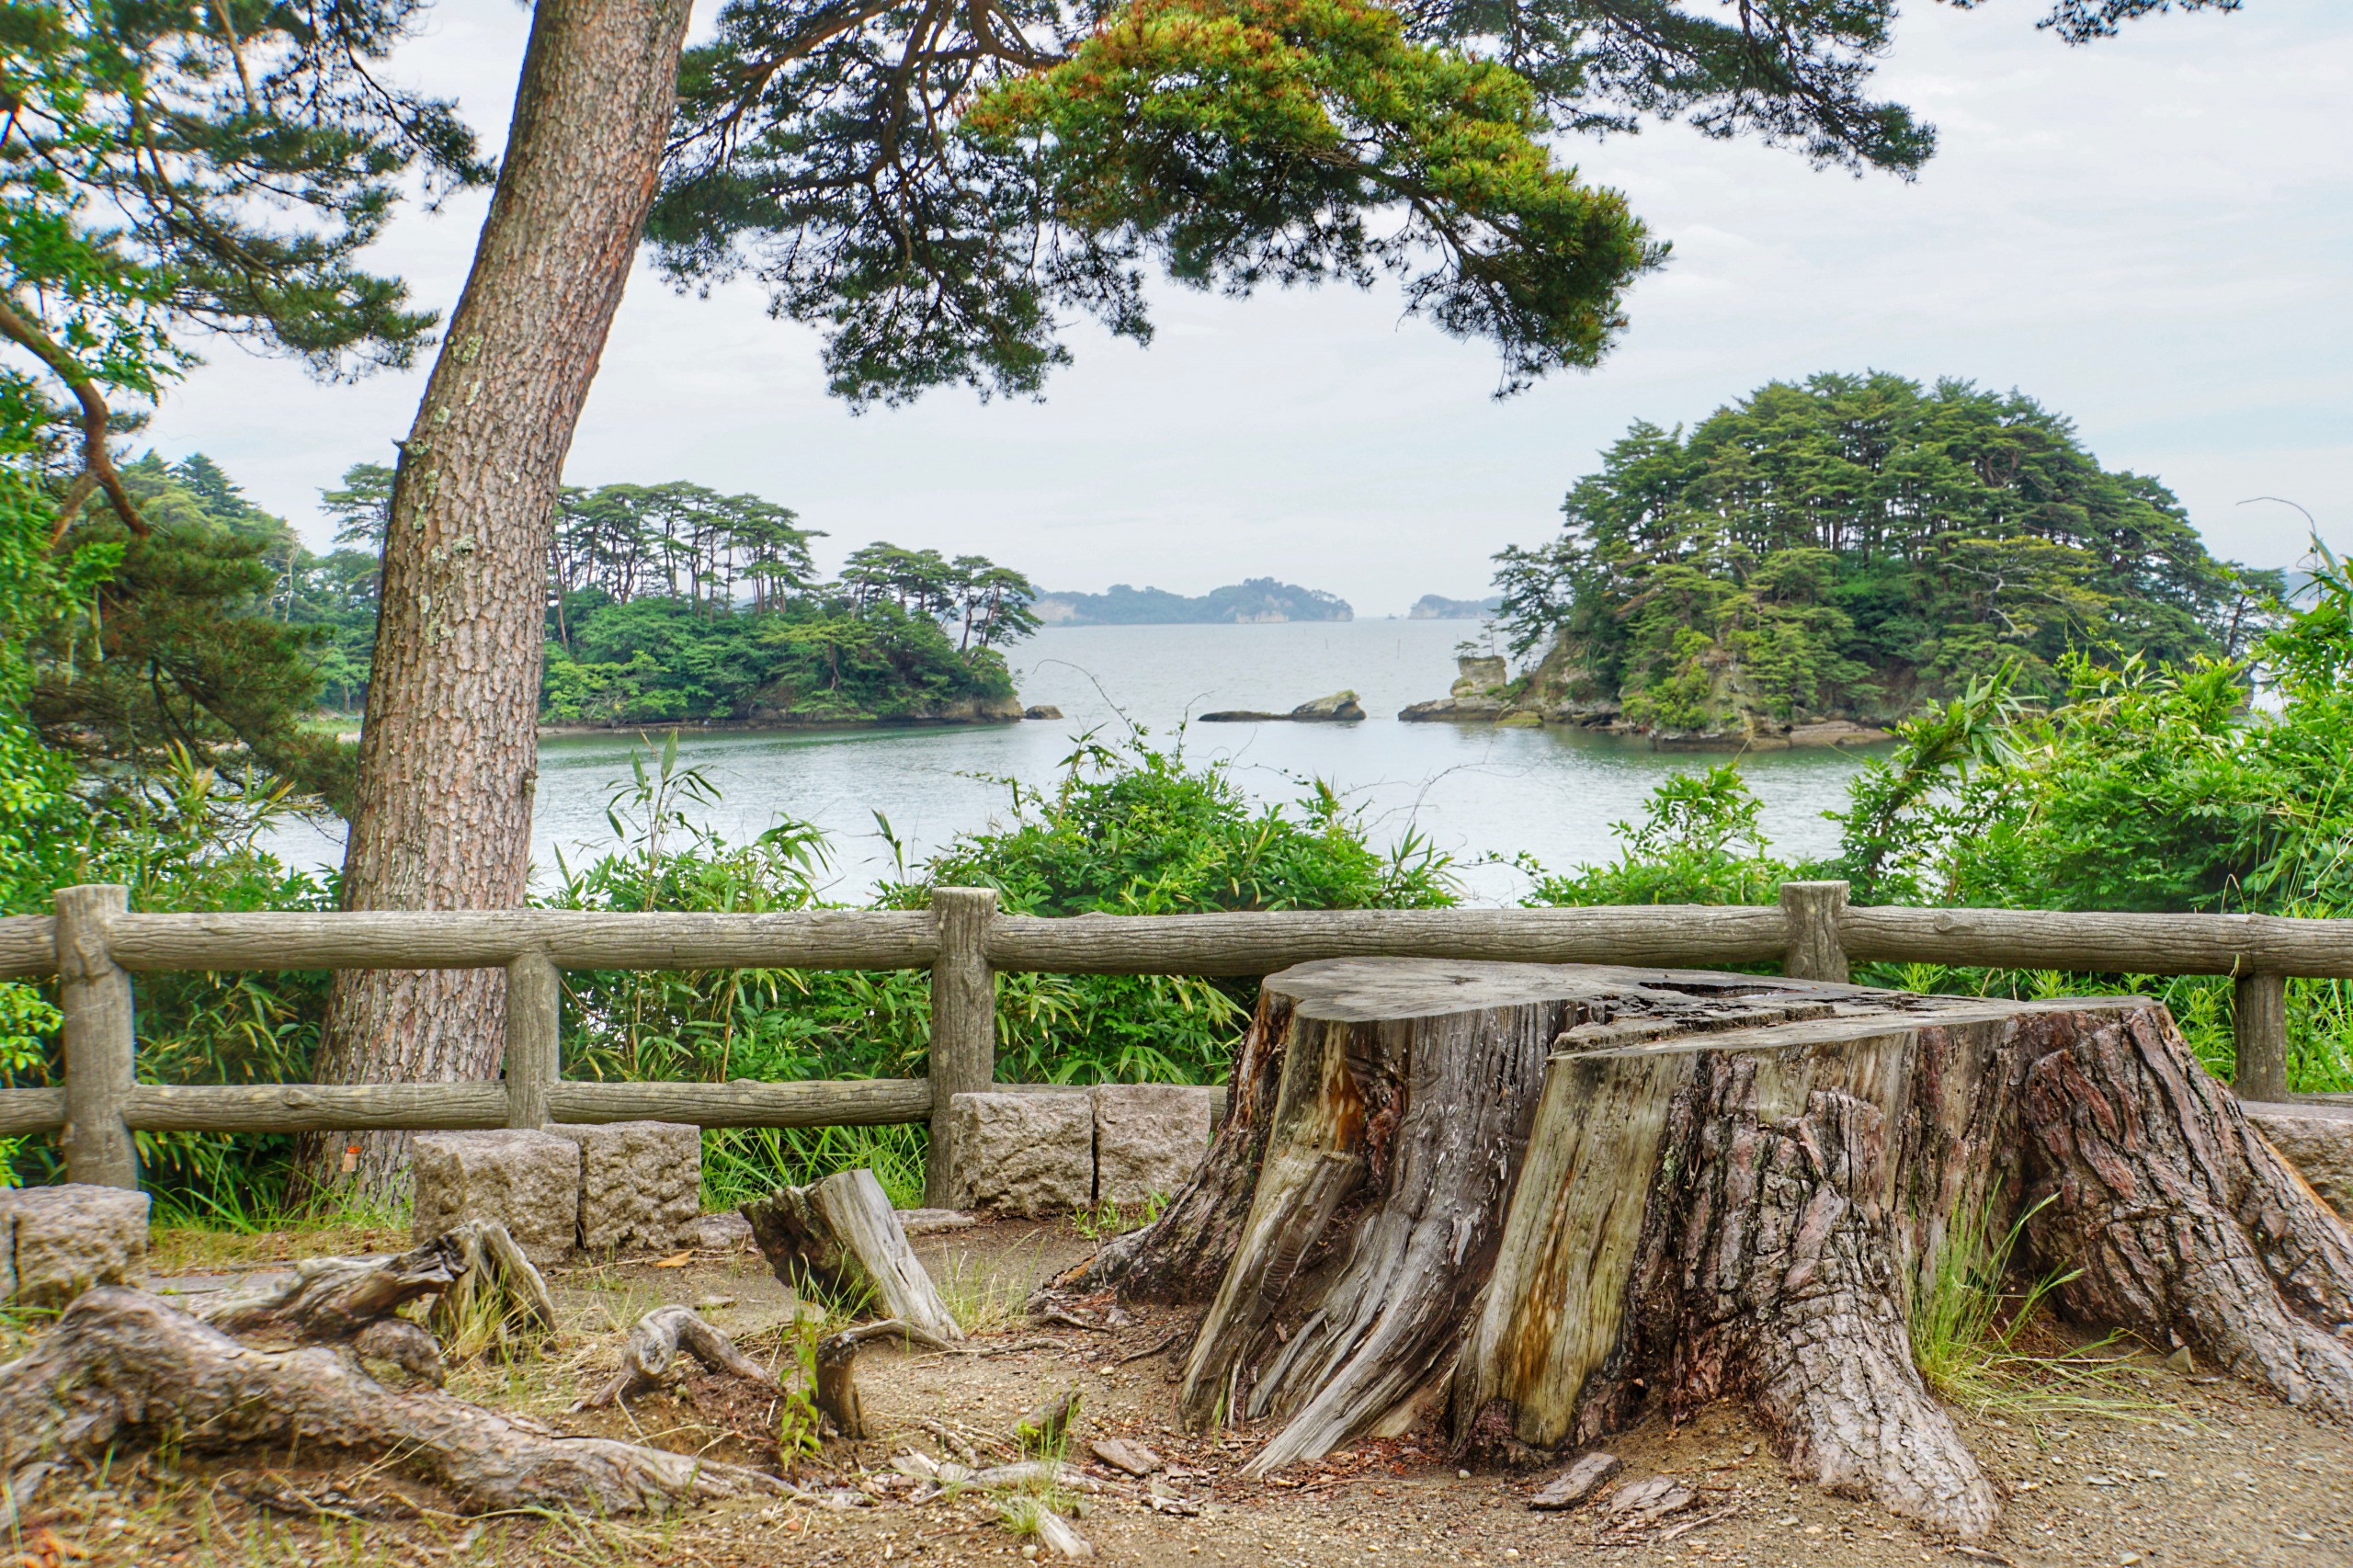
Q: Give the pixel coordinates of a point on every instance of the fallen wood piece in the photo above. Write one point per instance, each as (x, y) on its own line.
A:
(335, 1300)
(1068, 1319)
(1043, 1427)
(1035, 1472)
(123, 1368)
(836, 1391)
(1590, 1191)
(1640, 1501)
(327, 1300)
(840, 1241)
(1121, 1454)
(1056, 1532)
(1577, 1482)
(1689, 1525)
(652, 1355)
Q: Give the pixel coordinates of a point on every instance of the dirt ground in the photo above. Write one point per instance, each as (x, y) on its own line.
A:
(2200, 1470)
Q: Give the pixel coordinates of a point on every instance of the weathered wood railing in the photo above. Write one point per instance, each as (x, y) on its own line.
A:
(93, 945)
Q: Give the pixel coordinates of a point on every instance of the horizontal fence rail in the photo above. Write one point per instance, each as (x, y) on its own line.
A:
(93, 945)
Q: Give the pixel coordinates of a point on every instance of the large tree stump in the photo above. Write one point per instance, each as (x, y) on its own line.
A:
(1526, 1200)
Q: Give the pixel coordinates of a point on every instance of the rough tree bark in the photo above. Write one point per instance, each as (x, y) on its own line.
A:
(1523, 1203)
(448, 755)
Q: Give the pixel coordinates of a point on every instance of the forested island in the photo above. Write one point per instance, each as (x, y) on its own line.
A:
(1254, 601)
(1848, 549)
(669, 603)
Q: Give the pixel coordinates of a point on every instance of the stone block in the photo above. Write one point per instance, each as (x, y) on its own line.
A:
(528, 1182)
(640, 1184)
(1149, 1138)
(61, 1240)
(2316, 1137)
(1025, 1153)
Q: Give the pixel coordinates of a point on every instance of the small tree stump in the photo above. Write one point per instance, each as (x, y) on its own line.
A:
(1533, 1199)
(840, 1240)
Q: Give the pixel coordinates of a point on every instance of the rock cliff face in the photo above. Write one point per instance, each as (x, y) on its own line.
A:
(1560, 691)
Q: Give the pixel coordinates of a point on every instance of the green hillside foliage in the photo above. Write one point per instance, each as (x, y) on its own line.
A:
(1857, 546)
(211, 635)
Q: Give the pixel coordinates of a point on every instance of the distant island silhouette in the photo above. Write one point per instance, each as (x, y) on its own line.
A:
(1437, 606)
(1252, 602)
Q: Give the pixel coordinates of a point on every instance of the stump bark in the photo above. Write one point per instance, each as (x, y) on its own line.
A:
(1525, 1201)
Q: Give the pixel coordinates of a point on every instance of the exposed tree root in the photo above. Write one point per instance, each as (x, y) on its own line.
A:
(836, 1391)
(123, 1368)
(651, 1357)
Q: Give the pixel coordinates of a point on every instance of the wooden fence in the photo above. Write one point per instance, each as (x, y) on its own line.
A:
(93, 945)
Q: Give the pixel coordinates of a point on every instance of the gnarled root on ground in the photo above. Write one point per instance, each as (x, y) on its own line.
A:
(651, 1357)
(836, 1391)
(123, 1368)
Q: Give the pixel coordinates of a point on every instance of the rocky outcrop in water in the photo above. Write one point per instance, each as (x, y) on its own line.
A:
(1340, 708)
(1559, 692)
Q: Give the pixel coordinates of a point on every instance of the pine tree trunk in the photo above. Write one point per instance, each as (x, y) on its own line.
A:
(1526, 1202)
(448, 755)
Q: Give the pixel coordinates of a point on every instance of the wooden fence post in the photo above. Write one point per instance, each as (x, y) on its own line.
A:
(1815, 952)
(534, 992)
(2259, 1030)
(963, 1021)
(100, 1052)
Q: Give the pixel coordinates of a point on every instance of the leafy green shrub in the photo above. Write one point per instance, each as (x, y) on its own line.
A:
(1134, 829)
(1698, 842)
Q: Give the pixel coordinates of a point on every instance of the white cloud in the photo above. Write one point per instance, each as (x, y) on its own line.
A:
(2149, 234)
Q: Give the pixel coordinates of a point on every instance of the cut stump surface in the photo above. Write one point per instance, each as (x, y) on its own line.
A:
(1525, 1201)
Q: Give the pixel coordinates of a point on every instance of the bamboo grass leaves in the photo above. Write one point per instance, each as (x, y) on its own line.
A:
(1291, 140)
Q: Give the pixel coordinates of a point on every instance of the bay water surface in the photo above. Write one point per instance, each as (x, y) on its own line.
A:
(1480, 793)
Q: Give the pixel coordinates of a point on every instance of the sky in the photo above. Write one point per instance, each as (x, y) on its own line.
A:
(2148, 234)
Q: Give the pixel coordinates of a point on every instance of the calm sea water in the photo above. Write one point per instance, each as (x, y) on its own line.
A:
(1480, 793)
